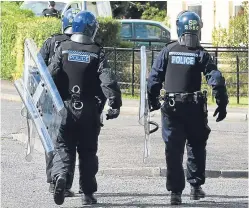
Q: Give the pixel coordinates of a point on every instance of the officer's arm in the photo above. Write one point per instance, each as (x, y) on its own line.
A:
(109, 83)
(45, 50)
(157, 75)
(215, 80)
(56, 63)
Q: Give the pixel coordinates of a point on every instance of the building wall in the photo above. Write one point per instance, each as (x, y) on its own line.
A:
(214, 13)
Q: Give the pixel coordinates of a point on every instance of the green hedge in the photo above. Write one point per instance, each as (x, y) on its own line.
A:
(12, 9)
(235, 35)
(17, 25)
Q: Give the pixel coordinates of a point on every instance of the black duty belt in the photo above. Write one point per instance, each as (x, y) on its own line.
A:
(194, 97)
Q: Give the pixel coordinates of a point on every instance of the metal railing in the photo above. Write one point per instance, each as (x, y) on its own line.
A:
(231, 61)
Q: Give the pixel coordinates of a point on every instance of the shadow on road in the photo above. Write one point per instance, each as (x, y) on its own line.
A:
(137, 201)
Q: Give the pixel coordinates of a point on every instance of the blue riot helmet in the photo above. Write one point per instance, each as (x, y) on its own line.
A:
(67, 20)
(85, 24)
(189, 26)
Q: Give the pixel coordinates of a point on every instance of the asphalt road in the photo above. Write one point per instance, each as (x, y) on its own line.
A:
(122, 139)
(23, 185)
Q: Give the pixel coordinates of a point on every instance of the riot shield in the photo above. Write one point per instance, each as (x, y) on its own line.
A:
(144, 109)
(43, 104)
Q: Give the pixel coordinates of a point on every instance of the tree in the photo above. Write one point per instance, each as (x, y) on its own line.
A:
(152, 10)
(237, 33)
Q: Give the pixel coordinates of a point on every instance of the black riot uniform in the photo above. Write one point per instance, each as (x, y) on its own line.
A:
(85, 68)
(51, 12)
(47, 51)
(50, 45)
(180, 66)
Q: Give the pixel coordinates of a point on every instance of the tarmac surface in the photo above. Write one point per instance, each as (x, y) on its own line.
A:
(24, 185)
(121, 141)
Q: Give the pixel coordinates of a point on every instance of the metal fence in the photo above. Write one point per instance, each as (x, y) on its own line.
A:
(231, 61)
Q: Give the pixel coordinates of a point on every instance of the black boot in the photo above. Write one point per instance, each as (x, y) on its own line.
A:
(89, 199)
(196, 193)
(176, 198)
(51, 188)
(68, 192)
(59, 192)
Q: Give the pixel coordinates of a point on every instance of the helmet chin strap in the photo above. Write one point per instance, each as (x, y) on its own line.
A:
(189, 40)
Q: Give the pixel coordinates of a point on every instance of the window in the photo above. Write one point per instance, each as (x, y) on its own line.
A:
(238, 10)
(126, 31)
(197, 9)
(154, 32)
(74, 6)
(147, 31)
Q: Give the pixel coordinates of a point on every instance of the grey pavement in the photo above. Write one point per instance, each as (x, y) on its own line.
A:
(121, 143)
(23, 185)
(130, 106)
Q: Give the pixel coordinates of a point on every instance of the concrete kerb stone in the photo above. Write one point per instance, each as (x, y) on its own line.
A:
(143, 171)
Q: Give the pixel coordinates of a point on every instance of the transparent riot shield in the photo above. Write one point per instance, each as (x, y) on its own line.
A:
(144, 109)
(43, 104)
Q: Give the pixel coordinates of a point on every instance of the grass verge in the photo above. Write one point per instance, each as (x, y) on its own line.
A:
(243, 101)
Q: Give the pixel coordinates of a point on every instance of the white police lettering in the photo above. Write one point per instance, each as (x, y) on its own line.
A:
(79, 58)
(184, 60)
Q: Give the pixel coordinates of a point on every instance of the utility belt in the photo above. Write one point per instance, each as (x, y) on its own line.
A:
(195, 97)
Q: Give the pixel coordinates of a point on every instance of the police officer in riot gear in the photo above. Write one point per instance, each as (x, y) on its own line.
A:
(47, 51)
(184, 111)
(51, 11)
(83, 63)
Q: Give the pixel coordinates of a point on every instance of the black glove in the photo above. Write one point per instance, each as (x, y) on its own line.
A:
(222, 113)
(155, 105)
(112, 113)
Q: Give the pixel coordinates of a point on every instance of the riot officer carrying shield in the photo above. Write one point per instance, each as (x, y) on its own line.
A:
(83, 63)
(184, 111)
(47, 51)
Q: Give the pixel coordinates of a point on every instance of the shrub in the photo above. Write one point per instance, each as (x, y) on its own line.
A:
(17, 25)
(235, 35)
(12, 9)
(108, 33)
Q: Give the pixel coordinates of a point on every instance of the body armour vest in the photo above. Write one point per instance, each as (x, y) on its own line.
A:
(55, 41)
(80, 65)
(183, 72)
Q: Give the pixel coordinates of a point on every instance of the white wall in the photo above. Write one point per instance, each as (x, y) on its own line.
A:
(210, 18)
(208, 21)
(174, 7)
(222, 13)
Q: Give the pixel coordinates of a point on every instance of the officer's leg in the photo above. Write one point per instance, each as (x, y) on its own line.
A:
(63, 162)
(87, 150)
(49, 164)
(70, 177)
(173, 133)
(198, 132)
(80, 162)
